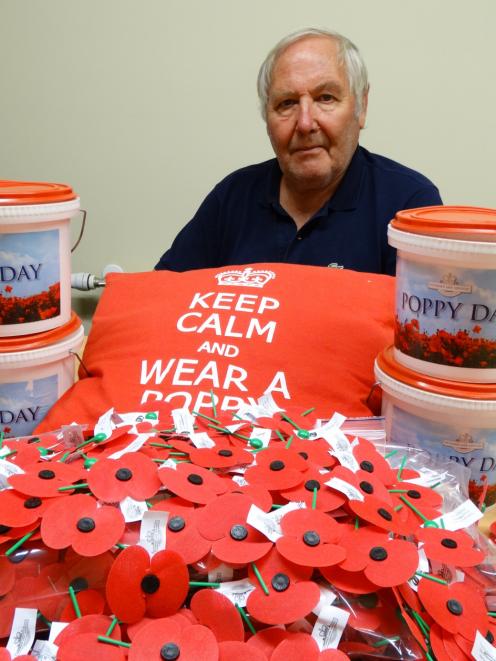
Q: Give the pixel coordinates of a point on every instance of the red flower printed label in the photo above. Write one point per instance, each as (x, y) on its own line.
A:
(445, 315)
(29, 277)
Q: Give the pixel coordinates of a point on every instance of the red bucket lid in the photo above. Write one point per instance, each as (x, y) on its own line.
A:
(39, 340)
(14, 193)
(388, 364)
(449, 221)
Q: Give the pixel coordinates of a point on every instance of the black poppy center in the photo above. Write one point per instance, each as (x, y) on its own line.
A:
(454, 607)
(367, 466)
(195, 479)
(311, 538)
(239, 532)
(489, 637)
(225, 453)
(413, 493)
(86, 524)
(34, 439)
(169, 652)
(304, 455)
(4, 529)
(176, 524)
(367, 487)
(378, 553)
(276, 465)
(385, 514)
(123, 474)
(150, 584)
(46, 474)
(79, 583)
(32, 503)
(280, 582)
(310, 485)
(449, 543)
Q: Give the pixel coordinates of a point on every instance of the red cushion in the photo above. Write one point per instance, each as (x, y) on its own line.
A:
(310, 334)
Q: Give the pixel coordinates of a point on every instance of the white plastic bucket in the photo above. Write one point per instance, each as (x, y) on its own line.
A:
(446, 292)
(35, 268)
(446, 418)
(35, 371)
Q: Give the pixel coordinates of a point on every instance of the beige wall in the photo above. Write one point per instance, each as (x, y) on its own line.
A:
(143, 105)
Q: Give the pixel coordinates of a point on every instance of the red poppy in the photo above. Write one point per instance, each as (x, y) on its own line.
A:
(233, 649)
(367, 483)
(420, 497)
(457, 607)
(437, 643)
(222, 456)
(182, 534)
(384, 561)
(6, 656)
(97, 624)
(44, 480)
(258, 495)
(19, 510)
(277, 468)
(266, 640)
(9, 533)
(163, 639)
(310, 539)
(133, 475)
(314, 452)
(450, 547)
(138, 585)
(90, 602)
(372, 462)
(223, 522)
(303, 646)
(79, 522)
(354, 582)
(193, 483)
(85, 646)
(327, 499)
(291, 594)
(380, 514)
(218, 613)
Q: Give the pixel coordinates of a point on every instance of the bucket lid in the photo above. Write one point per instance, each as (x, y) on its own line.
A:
(450, 221)
(390, 366)
(39, 340)
(31, 192)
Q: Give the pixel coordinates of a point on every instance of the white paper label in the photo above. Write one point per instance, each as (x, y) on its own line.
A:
(351, 492)
(183, 421)
(4, 451)
(463, 516)
(237, 591)
(423, 566)
(248, 413)
(55, 629)
(267, 403)
(152, 531)
(22, 632)
(482, 649)
(168, 463)
(327, 598)
(134, 446)
(427, 477)
(270, 524)
(329, 627)
(45, 651)
(7, 468)
(221, 574)
(448, 573)
(240, 480)
(341, 448)
(334, 422)
(201, 440)
(105, 424)
(262, 434)
(132, 510)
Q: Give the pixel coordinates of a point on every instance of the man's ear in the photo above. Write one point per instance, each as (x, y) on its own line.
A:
(363, 114)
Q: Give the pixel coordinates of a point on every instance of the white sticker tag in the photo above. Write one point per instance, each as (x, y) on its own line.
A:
(347, 460)
(134, 418)
(105, 424)
(152, 531)
(236, 591)
(23, 631)
(351, 492)
(423, 566)
(132, 510)
(240, 480)
(134, 446)
(5, 451)
(327, 598)
(329, 627)
(44, 650)
(55, 629)
(183, 421)
(463, 516)
(248, 413)
(448, 573)
(168, 463)
(7, 468)
(427, 477)
(221, 574)
(267, 403)
(270, 524)
(334, 422)
(201, 440)
(262, 434)
(482, 649)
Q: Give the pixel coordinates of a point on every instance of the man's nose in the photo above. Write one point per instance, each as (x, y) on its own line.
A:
(306, 120)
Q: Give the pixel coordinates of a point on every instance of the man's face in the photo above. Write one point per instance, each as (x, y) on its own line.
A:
(311, 118)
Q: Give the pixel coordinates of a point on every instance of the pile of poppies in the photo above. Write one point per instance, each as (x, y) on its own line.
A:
(264, 534)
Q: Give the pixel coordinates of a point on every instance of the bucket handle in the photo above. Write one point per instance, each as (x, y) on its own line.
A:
(374, 398)
(83, 223)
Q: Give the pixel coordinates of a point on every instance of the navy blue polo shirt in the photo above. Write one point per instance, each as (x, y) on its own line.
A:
(242, 222)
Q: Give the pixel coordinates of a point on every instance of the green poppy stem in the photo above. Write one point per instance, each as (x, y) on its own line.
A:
(246, 619)
(204, 584)
(19, 543)
(385, 641)
(260, 579)
(402, 466)
(74, 600)
(83, 485)
(112, 641)
(314, 498)
(112, 626)
(431, 578)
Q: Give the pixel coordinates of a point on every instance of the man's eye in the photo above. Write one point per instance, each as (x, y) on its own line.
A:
(286, 103)
(326, 98)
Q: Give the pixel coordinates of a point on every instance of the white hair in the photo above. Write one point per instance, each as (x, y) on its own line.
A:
(348, 55)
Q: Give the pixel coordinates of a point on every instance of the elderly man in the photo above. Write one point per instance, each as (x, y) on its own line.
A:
(323, 200)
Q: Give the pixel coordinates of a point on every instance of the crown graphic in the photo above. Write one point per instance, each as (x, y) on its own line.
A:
(449, 286)
(465, 443)
(246, 278)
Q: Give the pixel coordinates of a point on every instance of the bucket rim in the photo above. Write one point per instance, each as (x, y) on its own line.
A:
(14, 193)
(34, 341)
(448, 221)
(388, 364)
